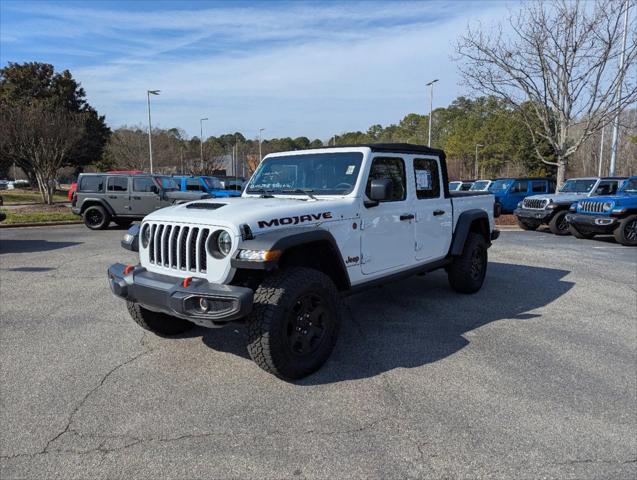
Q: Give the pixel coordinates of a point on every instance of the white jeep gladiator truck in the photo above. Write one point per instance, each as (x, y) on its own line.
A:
(310, 226)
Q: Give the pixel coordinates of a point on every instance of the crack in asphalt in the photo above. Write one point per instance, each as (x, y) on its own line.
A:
(69, 422)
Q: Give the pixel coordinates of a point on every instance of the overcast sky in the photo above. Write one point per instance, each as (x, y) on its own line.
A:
(294, 68)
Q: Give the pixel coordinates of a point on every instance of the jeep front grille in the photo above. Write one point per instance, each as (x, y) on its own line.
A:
(535, 203)
(178, 247)
(591, 206)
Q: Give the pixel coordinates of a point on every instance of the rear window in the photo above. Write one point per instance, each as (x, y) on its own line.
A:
(539, 187)
(93, 183)
(192, 184)
(117, 184)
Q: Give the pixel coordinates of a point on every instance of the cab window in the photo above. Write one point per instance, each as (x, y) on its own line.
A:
(117, 184)
(607, 188)
(390, 168)
(520, 186)
(427, 178)
(538, 187)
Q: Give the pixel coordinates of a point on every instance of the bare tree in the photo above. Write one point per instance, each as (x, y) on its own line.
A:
(559, 62)
(40, 140)
(128, 148)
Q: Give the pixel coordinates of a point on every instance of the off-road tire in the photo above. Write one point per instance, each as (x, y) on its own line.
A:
(275, 326)
(581, 235)
(558, 224)
(467, 271)
(123, 223)
(525, 225)
(96, 217)
(626, 232)
(158, 323)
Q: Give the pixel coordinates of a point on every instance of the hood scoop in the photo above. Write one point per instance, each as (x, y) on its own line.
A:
(205, 206)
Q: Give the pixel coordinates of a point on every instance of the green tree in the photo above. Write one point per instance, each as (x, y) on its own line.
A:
(33, 82)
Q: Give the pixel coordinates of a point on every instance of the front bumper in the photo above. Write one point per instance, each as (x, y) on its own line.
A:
(592, 223)
(542, 216)
(166, 294)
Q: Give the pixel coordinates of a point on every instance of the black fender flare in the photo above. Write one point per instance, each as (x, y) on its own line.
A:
(285, 239)
(88, 202)
(463, 227)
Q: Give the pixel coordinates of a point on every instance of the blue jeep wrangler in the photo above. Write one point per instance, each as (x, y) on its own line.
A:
(209, 185)
(551, 209)
(509, 192)
(616, 214)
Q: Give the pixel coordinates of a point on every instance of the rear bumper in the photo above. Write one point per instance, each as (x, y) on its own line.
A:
(592, 223)
(542, 216)
(166, 294)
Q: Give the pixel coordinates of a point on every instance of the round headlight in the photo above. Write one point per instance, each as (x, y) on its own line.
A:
(219, 244)
(145, 235)
(607, 206)
(224, 242)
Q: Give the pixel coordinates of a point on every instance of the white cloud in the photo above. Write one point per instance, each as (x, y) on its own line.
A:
(301, 70)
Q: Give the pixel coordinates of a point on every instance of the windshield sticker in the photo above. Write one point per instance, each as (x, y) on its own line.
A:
(423, 180)
(275, 222)
(350, 169)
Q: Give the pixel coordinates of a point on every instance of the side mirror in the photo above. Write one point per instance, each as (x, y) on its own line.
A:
(154, 189)
(131, 239)
(381, 189)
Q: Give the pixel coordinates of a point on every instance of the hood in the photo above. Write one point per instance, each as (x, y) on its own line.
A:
(559, 197)
(261, 214)
(177, 195)
(619, 199)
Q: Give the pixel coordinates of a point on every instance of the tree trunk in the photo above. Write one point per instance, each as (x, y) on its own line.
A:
(561, 170)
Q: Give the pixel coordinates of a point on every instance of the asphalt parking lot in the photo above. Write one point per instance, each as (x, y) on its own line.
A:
(533, 377)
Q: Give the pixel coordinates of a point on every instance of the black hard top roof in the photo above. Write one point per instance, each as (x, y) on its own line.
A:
(395, 148)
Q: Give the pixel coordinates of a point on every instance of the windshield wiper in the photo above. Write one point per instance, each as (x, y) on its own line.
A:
(306, 191)
(264, 193)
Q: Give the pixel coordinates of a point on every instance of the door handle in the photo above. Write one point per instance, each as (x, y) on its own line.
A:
(137, 198)
(407, 216)
(112, 196)
(438, 212)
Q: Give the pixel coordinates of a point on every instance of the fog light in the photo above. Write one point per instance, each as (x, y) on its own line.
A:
(203, 304)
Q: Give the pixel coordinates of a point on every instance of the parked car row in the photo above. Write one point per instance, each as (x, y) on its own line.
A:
(585, 207)
(214, 186)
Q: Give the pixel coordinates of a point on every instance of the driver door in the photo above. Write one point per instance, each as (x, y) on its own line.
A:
(144, 197)
(388, 228)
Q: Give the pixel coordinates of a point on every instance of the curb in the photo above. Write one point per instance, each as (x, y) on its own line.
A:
(41, 224)
(509, 228)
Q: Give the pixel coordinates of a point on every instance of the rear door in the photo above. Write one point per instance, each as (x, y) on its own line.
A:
(434, 221)
(117, 194)
(388, 230)
(144, 196)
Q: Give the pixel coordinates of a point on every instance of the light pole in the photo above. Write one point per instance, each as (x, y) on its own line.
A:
(260, 156)
(601, 154)
(613, 148)
(201, 120)
(150, 128)
(475, 167)
(431, 105)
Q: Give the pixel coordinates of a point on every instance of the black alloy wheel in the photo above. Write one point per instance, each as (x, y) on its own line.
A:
(306, 329)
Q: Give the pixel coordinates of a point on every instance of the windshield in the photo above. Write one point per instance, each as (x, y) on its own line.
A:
(630, 186)
(320, 173)
(168, 183)
(578, 186)
(213, 182)
(500, 185)
(480, 186)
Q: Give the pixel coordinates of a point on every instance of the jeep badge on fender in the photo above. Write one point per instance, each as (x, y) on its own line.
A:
(310, 226)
